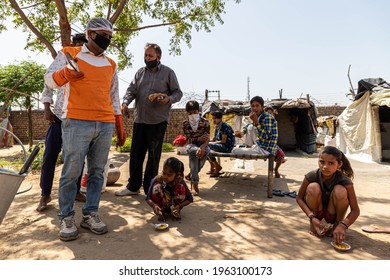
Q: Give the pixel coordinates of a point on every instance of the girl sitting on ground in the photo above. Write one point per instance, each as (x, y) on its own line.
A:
(326, 194)
(168, 193)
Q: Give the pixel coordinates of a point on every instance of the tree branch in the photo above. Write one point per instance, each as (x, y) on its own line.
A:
(34, 5)
(64, 23)
(118, 11)
(39, 35)
(19, 92)
(120, 50)
(9, 95)
(154, 25)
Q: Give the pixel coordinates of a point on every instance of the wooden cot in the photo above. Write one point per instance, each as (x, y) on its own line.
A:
(269, 157)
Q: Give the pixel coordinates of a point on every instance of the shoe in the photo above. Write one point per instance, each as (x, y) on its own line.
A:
(125, 191)
(93, 223)
(68, 229)
(80, 197)
(43, 203)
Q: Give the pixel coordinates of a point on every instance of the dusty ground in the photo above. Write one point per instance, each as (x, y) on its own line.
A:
(232, 220)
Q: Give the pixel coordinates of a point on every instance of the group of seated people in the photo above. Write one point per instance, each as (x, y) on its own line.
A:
(259, 136)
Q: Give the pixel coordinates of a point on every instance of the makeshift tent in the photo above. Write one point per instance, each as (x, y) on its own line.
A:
(296, 119)
(364, 125)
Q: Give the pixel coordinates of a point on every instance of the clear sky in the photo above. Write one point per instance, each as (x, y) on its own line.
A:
(300, 46)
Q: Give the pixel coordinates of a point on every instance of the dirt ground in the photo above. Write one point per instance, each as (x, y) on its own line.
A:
(231, 220)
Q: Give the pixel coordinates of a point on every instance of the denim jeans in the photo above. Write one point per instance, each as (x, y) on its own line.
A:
(53, 145)
(218, 147)
(79, 139)
(196, 163)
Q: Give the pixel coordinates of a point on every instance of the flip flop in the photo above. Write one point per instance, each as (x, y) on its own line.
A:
(375, 229)
(277, 192)
(290, 194)
(215, 175)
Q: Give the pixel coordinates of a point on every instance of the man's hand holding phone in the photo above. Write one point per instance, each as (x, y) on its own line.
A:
(69, 73)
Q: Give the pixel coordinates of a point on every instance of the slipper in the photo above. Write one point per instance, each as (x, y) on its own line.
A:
(290, 194)
(277, 192)
(209, 172)
(325, 227)
(375, 229)
(215, 175)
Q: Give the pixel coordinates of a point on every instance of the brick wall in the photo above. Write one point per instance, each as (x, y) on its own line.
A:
(19, 122)
(330, 110)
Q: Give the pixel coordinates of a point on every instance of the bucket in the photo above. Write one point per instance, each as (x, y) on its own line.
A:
(9, 184)
(10, 180)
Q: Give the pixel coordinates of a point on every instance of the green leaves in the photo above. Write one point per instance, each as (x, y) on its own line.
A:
(28, 74)
(129, 17)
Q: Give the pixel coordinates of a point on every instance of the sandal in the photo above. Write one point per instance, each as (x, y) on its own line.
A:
(290, 194)
(325, 227)
(195, 187)
(277, 192)
(215, 175)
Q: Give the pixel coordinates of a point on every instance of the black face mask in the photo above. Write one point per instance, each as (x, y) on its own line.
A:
(151, 64)
(101, 41)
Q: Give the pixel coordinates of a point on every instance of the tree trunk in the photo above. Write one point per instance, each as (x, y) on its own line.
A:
(30, 126)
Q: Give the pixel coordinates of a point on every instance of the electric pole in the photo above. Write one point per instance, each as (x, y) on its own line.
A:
(248, 96)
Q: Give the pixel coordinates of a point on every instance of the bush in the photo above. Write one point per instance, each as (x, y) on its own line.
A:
(125, 148)
(167, 147)
(38, 161)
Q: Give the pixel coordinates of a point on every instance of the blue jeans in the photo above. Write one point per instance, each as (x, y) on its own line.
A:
(79, 139)
(53, 145)
(196, 163)
(218, 147)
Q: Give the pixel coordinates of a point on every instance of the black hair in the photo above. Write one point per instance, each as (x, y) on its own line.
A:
(176, 166)
(217, 114)
(79, 38)
(192, 105)
(340, 157)
(155, 47)
(257, 99)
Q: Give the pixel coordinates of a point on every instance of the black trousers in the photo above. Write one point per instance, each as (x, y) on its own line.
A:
(146, 138)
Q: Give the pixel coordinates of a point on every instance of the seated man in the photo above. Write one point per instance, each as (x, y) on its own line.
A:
(267, 133)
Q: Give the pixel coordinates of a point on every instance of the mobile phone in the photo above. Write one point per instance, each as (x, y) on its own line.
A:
(72, 62)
